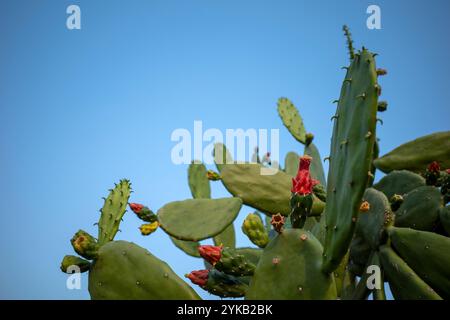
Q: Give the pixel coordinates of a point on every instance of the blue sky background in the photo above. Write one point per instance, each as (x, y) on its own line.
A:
(81, 109)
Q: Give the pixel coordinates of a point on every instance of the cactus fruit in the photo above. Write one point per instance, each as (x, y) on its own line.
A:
(352, 146)
(198, 219)
(277, 222)
(416, 155)
(396, 201)
(227, 260)
(143, 212)
(124, 270)
(113, 210)
(149, 228)
(253, 228)
(419, 209)
(296, 271)
(433, 173)
(292, 119)
(399, 182)
(85, 245)
(219, 283)
(427, 253)
(213, 176)
(70, 261)
(405, 284)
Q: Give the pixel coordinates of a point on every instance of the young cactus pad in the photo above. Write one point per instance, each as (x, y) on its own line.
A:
(198, 219)
(352, 146)
(198, 181)
(292, 119)
(124, 270)
(290, 268)
(113, 210)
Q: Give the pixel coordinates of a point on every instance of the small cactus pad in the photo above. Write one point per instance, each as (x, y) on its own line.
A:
(352, 146)
(405, 284)
(291, 163)
(290, 269)
(69, 262)
(416, 155)
(291, 119)
(112, 212)
(444, 216)
(419, 209)
(198, 181)
(189, 247)
(227, 237)
(359, 256)
(222, 156)
(427, 253)
(198, 219)
(316, 167)
(371, 224)
(399, 182)
(125, 271)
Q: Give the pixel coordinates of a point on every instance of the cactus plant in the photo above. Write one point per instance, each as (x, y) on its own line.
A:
(319, 236)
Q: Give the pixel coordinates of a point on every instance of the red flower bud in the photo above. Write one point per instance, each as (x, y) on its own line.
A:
(434, 167)
(136, 207)
(212, 254)
(199, 277)
(448, 171)
(303, 183)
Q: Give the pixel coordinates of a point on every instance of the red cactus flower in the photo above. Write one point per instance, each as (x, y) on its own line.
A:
(212, 254)
(448, 171)
(434, 167)
(199, 277)
(277, 222)
(136, 207)
(303, 183)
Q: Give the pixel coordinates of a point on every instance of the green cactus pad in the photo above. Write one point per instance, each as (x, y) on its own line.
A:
(316, 167)
(268, 193)
(222, 156)
(291, 163)
(198, 181)
(352, 146)
(291, 119)
(290, 269)
(125, 271)
(253, 227)
(225, 285)
(359, 256)
(420, 209)
(378, 294)
(112, 212)
(198, 219)
(371, 224)
(319, 230)
(399, 182)
(444, 216)
(416, 155)
(227, 238)
(427, 253)
(70, 261)
(188, 247)
(405, 284)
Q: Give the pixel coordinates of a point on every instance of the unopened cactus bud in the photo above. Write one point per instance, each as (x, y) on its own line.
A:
(277, 222)
(213, 176)
(253, 227)
(210, 253)
(396, 200)
(309, 137)
(70, 261)
(149, 228)
(433, 173)
(198, 277)
(382, 106)
(85, 245)
(143, 212)
(364, 207)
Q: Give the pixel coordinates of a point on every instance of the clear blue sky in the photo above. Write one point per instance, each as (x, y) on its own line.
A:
(81, 109)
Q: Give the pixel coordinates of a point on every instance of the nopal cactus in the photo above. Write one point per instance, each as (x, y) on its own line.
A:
(321, 233)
